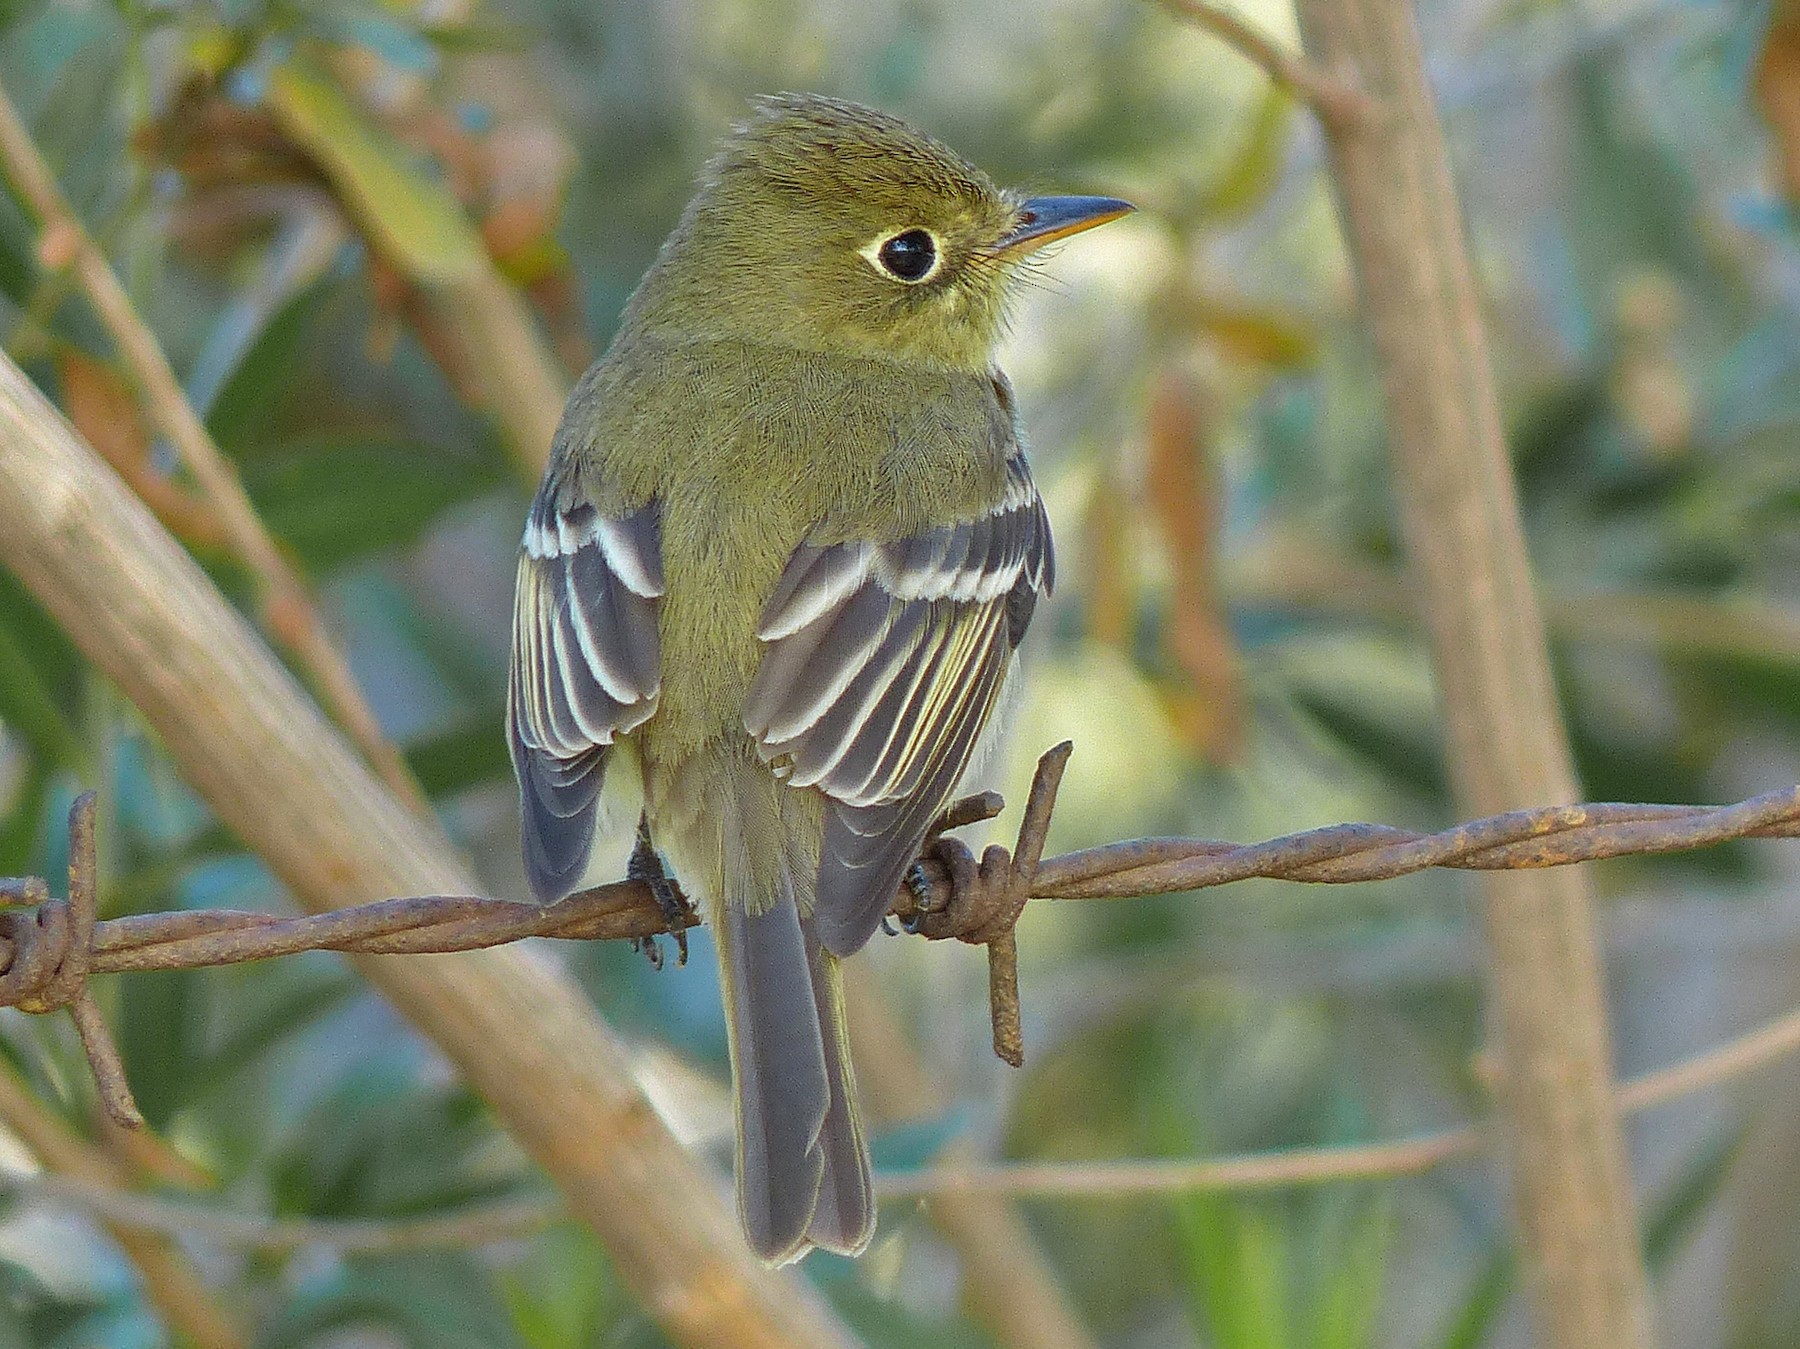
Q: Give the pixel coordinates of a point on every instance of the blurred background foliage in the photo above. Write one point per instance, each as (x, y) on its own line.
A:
(282, 184)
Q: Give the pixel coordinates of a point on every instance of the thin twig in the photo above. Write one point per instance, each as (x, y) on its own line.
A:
(1241, 1172)
(1295, 575)
(462, 1229)
(171, 1281)
(1336, 101)
(288, 611)
(1249, 1171)
(1317, 1166)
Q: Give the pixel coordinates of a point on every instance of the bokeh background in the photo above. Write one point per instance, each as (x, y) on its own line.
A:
(1230, 647)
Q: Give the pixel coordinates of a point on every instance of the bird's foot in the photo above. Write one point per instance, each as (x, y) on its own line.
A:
(954, 895)
(947, 893)
(646, 866)
(924, 895)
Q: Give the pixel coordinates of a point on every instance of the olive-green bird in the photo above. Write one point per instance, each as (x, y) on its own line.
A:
(782, 557)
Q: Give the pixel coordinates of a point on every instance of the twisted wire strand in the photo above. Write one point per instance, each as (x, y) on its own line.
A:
(50, 946)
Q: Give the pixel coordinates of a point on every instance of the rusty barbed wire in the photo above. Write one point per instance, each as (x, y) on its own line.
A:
(51, 946)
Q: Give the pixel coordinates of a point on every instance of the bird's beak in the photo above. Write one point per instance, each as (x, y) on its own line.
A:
(1044, 220)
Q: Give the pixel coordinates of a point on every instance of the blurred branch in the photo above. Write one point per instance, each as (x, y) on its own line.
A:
(171, 1283)
(48, 950)
(248, 740)
(1335, 100)
(463, 1229)
(945, 1182)
(1302, 575)
(1506, 745)
(288, 611)
(473, 321)
(1736, 1058)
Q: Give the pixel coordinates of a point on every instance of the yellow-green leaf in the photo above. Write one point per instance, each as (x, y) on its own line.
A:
(1255, 168)
(411, 220)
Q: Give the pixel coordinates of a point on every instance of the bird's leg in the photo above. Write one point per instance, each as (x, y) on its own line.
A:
(646, 866)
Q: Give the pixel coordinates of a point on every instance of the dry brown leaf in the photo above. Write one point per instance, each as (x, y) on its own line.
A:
(104, 411)
(1775, 85)
(1184, 501)
(1109, 588)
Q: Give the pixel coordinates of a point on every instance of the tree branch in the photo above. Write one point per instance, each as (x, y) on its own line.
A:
(256, 748)
(1336, 101)
(1505, 739)
(288, 611)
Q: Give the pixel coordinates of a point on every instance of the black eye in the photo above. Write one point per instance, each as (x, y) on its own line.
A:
(909, 256)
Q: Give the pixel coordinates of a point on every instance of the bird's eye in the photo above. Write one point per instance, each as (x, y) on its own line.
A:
(909, 256)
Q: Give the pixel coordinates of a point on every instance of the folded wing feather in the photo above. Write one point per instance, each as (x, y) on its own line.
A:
(586, 668)
(884, 660)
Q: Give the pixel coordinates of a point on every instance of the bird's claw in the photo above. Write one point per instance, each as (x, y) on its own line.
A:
(646, 866)
(918, 883)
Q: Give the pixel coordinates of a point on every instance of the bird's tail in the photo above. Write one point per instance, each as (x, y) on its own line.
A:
(802, 1164)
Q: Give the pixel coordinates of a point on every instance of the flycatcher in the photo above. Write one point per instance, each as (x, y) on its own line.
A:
(782, 557)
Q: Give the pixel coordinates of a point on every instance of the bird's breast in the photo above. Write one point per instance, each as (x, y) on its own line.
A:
(758, 453)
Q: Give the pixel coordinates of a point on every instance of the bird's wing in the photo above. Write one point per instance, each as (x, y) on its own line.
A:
(586, 667)
(883, 662)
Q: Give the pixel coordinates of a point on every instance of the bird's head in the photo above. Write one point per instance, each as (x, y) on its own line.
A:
(825, 225)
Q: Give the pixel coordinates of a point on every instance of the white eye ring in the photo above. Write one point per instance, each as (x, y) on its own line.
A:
(895, 254)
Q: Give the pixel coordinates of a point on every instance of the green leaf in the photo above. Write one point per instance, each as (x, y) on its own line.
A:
(1682, 1204)
(156, 1026)
(1407, 755)
(437, 1300)
(1481, 1306)
(253, 1032)
(254, 389)
(337, 499)
(563, 1294)
(36, 662)
(1348, 1269)
(22, 823)
(409, 216)
(376, 1145)
(1255, 168)
(18, 266)
(1235, 1258)
(462, 757)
